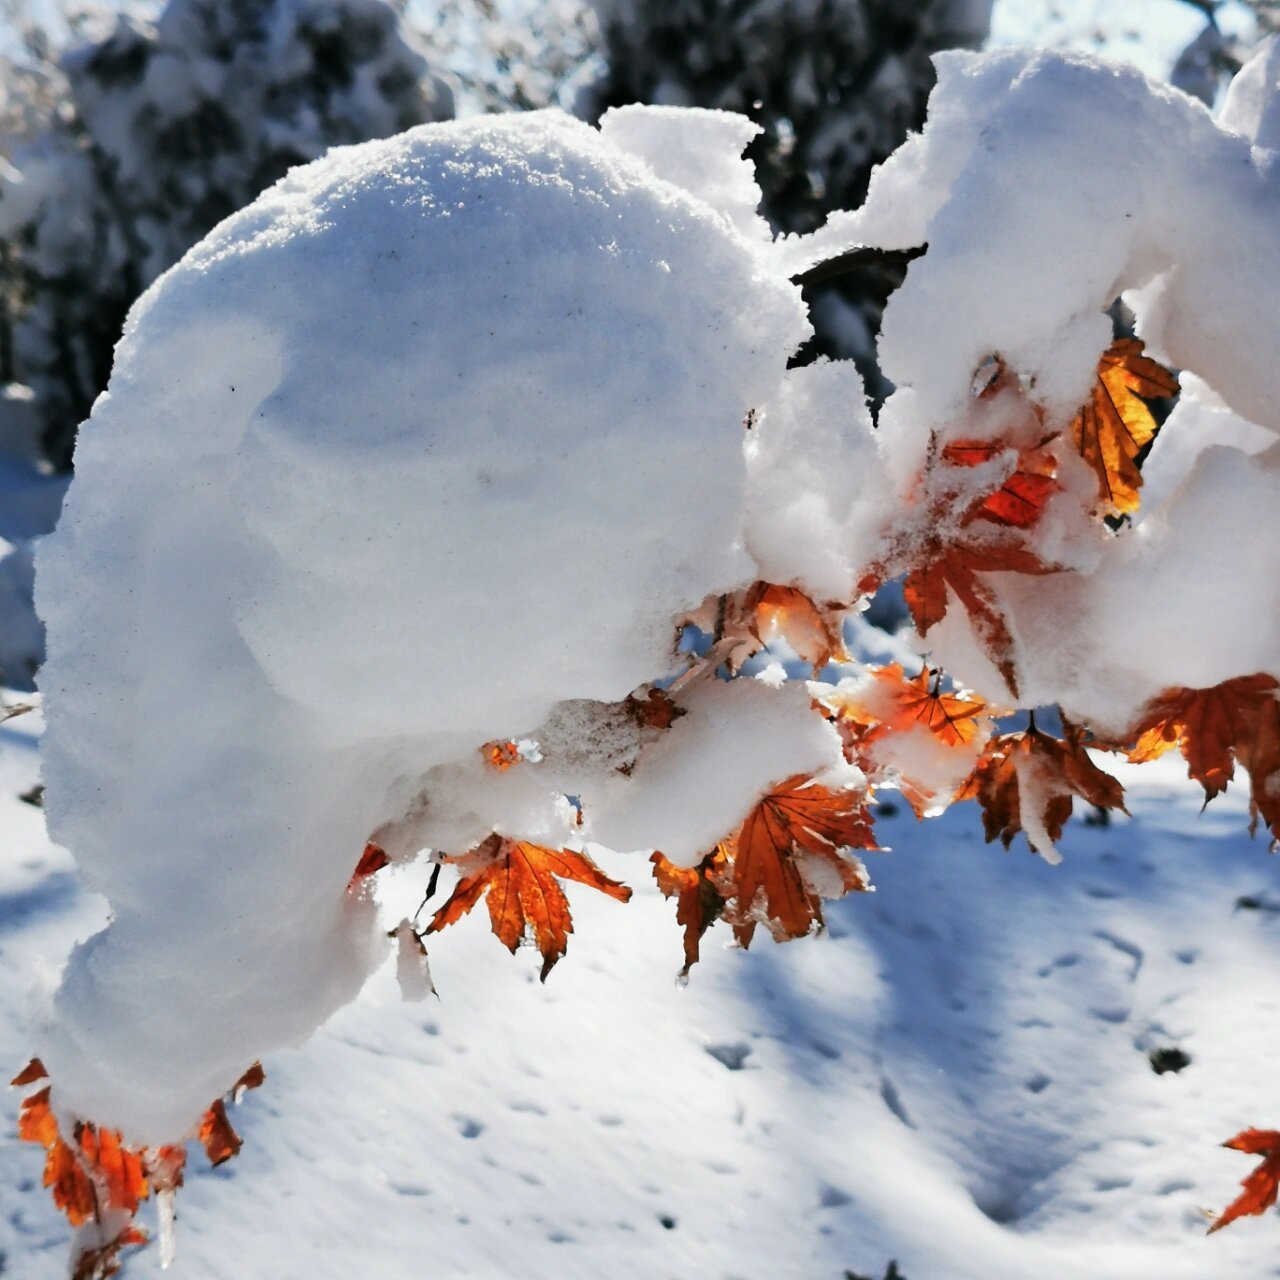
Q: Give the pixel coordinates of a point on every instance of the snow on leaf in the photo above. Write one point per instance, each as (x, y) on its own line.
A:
(1235, 721)
(1115, 423)
(871, 716)
(954, 568)
(950, 717)
(104, 1261)
(1025, 782)
(165, 1168)
(699, 902)
(1020, 499)
(118, 1170)
(813, 631)
(964, 536)
(373, 859)
(524, 894)
(1260, 1186)
(764, 869)
(501, 755)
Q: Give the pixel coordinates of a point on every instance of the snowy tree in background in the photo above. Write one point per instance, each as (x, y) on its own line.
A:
(167, 129)
(518, 385)
(836, 85)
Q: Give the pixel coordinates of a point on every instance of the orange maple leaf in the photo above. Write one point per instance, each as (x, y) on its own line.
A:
(1260, 1186)
(501, 755)
(36, 1122)
(73, 1191)
(1115, 423)
(699, 903)
(219, 1139)
(893, 703)
(117, 1168)
(950, 717)
(1020, 499)
(1031, 765)
(1235, 721)
(99, 1171)
(373, 859)
(798, 826)
(521, 883)
(967, 536)
(956, 567)
(953, 718)
(253, 1078)
(813, 631)
(33, 1071)
(105, 1261)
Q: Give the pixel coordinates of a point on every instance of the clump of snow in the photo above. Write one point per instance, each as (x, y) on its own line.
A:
(1045, 186)
(813, 462)
(1252, 104)
(696, 784)
(466, 419)
(402, 425)
(698, 150)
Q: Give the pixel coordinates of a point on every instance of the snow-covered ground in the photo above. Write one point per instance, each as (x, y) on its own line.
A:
(955, 1075)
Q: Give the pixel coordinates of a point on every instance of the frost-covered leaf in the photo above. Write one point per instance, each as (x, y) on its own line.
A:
(1115, 423)
(1260, 1186)
(524, 894)
(699, 902)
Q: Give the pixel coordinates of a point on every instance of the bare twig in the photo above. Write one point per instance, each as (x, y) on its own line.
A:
(857, 260)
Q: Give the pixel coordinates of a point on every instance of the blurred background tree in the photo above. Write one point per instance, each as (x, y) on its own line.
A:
(131, 146)
(128, 130)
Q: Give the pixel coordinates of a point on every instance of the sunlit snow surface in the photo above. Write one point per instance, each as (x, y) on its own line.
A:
(955, 1076)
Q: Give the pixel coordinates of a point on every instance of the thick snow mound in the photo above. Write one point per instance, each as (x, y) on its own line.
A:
(455, 419)
(1045, 187)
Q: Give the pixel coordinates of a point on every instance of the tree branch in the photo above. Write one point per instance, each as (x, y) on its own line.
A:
(857, 260)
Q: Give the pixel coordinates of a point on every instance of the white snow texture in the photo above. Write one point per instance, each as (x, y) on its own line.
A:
(408, 419)
(457, 419)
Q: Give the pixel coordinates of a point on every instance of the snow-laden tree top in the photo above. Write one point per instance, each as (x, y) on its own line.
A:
(470, 419)
(456, 417)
